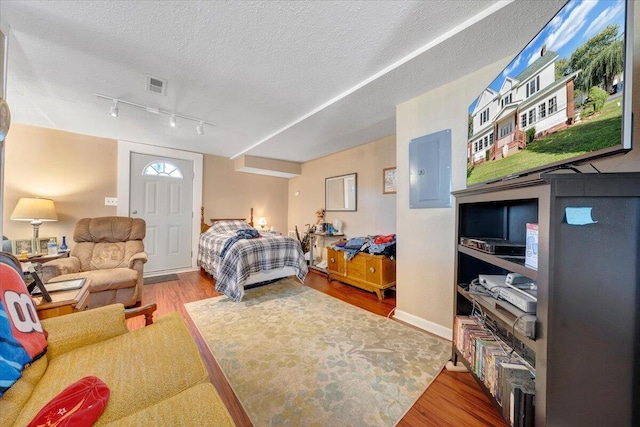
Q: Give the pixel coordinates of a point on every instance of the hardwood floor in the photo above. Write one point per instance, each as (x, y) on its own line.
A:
(453, 399)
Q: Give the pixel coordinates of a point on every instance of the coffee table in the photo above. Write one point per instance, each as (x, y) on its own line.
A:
(63, 302)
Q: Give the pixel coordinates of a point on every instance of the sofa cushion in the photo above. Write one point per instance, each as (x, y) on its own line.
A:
(17, 396)
(199, 405)
(124, 296)
(95, 256)
(107, 242)
(104, 280)
(109, 229)
(141, 368)
(68, 333)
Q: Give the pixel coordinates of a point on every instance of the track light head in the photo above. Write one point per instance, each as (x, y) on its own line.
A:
(113, 110)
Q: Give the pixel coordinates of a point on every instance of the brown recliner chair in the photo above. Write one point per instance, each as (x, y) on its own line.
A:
(109, 252)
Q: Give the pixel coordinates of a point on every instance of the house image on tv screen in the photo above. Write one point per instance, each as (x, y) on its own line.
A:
(562, 100)
(533, 99)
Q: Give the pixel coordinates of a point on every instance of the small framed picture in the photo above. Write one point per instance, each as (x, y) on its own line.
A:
(22, 245)
(389, 180)
(42, 244)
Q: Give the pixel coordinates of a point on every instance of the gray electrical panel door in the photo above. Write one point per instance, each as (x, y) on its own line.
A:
(430, 171)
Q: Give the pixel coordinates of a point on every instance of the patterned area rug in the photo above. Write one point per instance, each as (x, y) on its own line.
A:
(295, 356)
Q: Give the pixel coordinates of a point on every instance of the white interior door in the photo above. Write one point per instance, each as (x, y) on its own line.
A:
(161, 193)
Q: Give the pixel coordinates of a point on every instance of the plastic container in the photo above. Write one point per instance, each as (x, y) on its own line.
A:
(52, 247)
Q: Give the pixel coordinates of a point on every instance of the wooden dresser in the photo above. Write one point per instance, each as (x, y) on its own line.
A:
(373, 273)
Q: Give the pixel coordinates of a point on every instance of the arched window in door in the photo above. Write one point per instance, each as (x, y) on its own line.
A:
(162, 168)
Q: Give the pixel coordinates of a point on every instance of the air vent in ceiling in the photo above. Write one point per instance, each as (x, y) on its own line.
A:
(156, 85)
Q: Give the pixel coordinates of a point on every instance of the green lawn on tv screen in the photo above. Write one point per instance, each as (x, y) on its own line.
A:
(601, 130)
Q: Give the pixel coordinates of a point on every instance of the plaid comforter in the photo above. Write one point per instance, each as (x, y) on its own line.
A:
(245, 257)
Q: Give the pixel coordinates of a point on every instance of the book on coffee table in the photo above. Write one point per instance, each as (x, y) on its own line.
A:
(65, 285)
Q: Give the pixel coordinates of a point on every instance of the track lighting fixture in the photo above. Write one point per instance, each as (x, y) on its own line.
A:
(113, 110)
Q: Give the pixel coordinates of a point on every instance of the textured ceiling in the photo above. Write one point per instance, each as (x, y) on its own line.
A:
(279, 79)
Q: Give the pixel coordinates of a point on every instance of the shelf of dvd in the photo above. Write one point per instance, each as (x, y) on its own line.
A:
(500, 370)
(547, 370)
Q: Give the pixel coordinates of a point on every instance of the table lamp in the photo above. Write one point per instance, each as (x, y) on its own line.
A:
(262, 222)
(37, 211)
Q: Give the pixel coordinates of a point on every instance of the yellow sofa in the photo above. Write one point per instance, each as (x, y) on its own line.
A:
(155, 374)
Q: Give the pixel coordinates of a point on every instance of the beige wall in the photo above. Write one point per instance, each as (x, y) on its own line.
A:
(264, 166)
(376, 211)
(231, 194)
(76, 171)
(426, 236)
(424, 268)
(79, 171)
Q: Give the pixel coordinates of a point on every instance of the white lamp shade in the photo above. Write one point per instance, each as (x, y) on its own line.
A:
(262, 221)
(34, 209)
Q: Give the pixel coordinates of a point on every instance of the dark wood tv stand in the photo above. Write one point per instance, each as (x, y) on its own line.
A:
(587, 337)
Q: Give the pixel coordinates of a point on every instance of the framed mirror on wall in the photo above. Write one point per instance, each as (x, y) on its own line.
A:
(341, 193)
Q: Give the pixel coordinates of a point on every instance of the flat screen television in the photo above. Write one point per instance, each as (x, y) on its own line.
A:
(563, 100)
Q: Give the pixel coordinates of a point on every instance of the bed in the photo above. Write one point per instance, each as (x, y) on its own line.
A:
(246, 261)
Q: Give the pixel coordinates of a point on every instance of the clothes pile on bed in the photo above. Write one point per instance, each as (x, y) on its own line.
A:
(232, 250)
(245, 233)
(377, 245)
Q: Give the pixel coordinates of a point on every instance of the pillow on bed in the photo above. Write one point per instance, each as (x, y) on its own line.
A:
(229, 226)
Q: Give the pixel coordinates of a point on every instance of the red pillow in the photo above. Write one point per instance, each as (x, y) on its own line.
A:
(78, 405)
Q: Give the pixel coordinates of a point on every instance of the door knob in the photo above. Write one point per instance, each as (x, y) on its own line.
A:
(134, 212)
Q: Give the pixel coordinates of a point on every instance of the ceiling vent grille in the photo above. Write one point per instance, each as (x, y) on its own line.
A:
(156, 85)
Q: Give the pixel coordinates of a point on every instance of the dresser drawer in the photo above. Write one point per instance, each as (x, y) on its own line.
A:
(373, 270)
(373, 273)
(356, 268)
(335, 261)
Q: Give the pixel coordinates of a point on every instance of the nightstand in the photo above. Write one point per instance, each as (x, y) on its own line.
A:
(313, 261)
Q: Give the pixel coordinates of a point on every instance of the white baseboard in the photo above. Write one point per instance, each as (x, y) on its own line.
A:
(421, 323)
